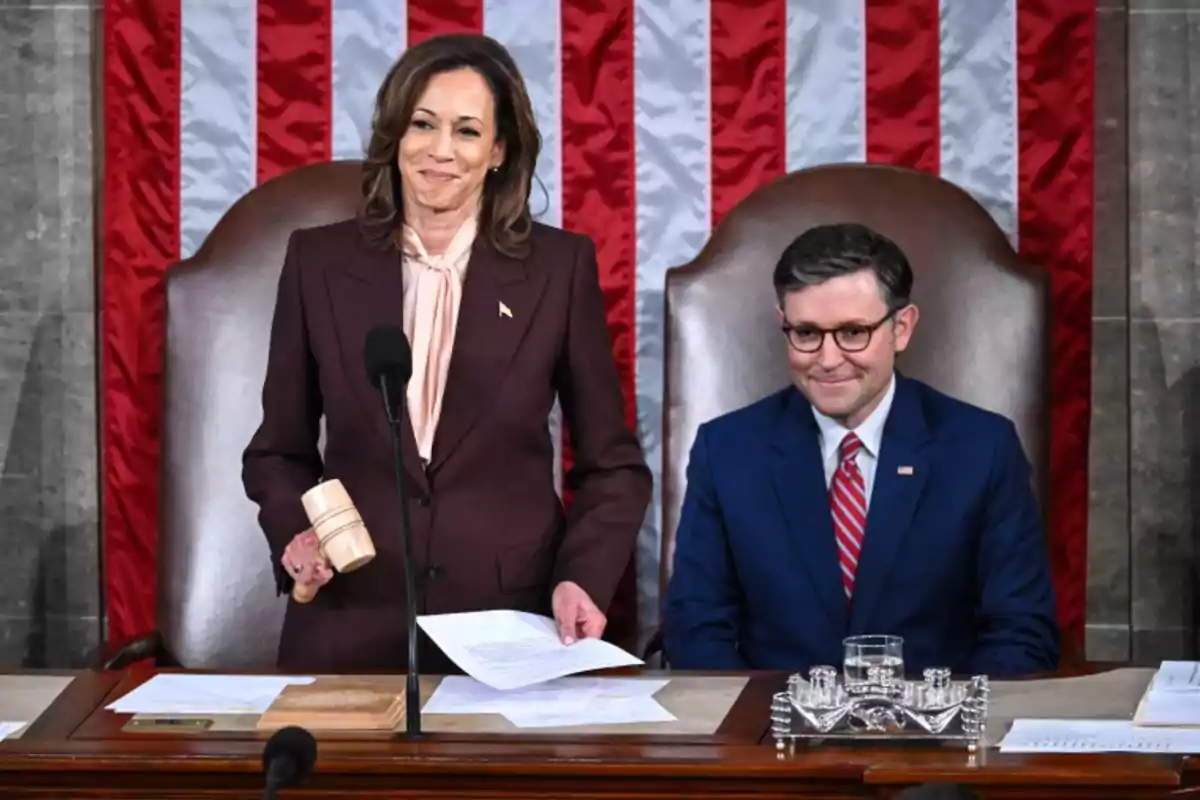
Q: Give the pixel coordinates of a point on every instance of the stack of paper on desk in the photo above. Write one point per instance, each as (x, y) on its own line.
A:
(199, 695)
(518, 666)
(557, 703)
(1167, 720)
(1173, 697)
(1096, 736)
(512, 649)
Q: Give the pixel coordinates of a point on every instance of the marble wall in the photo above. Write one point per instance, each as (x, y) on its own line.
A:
(49, 587)
(1145, 456)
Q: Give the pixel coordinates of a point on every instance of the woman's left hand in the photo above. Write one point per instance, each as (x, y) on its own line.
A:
(576, 614)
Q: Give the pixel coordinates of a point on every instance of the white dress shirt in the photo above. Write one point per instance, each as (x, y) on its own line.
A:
(870, 433)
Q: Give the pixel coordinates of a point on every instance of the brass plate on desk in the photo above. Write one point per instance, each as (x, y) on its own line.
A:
(167, 725)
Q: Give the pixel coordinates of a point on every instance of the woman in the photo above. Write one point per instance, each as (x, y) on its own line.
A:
(502, 314)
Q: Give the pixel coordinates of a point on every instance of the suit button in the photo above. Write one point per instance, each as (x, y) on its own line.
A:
(432, 571)
(422, 501)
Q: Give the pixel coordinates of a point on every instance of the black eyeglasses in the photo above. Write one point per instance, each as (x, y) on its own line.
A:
(849, 338)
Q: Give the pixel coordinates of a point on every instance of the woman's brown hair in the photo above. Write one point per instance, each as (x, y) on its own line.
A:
(504, 217)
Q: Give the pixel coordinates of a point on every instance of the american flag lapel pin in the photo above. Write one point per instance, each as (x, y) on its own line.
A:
(904, 470)
(505, 311)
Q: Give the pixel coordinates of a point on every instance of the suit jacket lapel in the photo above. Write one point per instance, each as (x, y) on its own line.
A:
(798, 475)
(365, 290)
(500, 295)
(894, 498)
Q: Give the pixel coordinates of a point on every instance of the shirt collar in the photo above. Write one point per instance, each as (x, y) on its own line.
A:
(870, 432)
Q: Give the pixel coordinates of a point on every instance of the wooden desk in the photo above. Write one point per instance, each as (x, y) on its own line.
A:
(78, 749)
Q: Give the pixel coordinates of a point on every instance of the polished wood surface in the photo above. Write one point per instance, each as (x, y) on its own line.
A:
(79, 749)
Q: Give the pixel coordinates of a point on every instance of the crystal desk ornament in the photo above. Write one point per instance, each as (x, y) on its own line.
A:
(872, 702)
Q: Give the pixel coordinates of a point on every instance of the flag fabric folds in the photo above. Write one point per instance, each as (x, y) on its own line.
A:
(658, 116)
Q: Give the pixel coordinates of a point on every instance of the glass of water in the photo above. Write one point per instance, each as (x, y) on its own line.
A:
(861, 654)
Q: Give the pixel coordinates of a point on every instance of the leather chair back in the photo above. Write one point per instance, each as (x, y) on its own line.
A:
(982, 336)
(217, 606)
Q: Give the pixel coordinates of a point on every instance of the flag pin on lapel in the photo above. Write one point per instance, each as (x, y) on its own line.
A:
(505, 311)
(904, 470)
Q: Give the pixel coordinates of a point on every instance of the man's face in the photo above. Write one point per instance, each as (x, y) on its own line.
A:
(844, 382)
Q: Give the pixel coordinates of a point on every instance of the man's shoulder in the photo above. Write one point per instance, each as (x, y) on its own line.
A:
(748, 424)
(953, 418)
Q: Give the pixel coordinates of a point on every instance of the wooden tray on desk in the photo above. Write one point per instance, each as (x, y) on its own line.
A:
(336, 704)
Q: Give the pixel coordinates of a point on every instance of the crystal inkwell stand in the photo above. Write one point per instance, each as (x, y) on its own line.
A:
(872, 702)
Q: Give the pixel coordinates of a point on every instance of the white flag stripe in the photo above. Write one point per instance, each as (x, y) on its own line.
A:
(367, 38)
(218, 114)
(672, 127)
(825, 82)
(978, 55)
(531, 30)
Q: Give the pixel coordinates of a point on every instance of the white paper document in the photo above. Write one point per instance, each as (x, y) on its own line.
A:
(1170, 707)
(460, 694)
(204, 694)
(1173, 696)
(1095, 736)
(599, 712)
(7, 729)
(559, 702)
(1177, 676)
(512, 649)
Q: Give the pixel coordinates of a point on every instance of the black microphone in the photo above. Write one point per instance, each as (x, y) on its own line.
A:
(388, 358)
(287, 759)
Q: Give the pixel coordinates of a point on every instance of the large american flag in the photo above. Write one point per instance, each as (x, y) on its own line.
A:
(658, 116)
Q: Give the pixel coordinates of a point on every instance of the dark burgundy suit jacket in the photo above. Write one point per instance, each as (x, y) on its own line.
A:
(489, 529)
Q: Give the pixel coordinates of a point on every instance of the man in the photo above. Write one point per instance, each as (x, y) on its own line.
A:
(858, 501)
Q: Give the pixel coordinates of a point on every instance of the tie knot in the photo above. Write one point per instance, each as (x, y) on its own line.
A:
(850, 447)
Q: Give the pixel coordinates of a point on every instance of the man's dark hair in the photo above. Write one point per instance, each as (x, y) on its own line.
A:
(830, 251)
(938, 791)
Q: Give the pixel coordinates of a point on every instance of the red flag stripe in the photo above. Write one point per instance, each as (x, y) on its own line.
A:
(428, 18)
(902, 83)
(140, 230)
(598, 158)
(295, 74)
(598, 196)
(1055, 107)
(749, 139)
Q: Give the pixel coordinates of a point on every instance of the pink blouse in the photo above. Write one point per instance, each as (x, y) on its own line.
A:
(432, 295)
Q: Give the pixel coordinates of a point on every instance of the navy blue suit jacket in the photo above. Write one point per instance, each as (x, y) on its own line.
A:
(953, 558)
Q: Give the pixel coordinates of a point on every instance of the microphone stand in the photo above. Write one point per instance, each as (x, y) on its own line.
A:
(412, 705)
(277, 775)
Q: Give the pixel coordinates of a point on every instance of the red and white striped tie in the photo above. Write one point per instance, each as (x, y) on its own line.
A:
(848, 501)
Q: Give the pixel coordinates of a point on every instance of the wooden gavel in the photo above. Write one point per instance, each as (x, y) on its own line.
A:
(343, 537)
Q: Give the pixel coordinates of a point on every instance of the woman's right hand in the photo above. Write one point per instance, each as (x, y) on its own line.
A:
(307, 565)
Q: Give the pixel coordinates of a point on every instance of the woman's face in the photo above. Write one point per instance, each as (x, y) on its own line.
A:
(450, 144)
